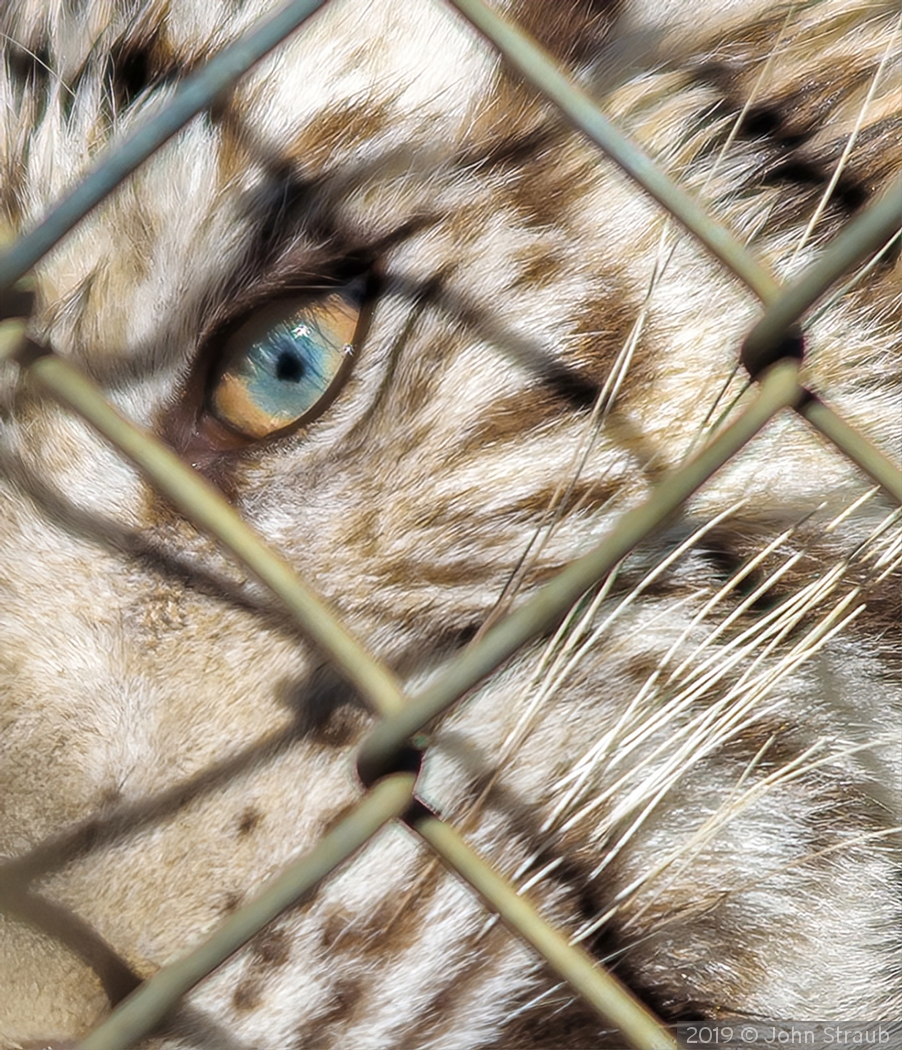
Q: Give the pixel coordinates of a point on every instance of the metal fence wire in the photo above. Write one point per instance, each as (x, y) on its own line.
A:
(388, 757)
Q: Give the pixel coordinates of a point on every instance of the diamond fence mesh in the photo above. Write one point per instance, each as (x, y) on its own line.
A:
(389, 757)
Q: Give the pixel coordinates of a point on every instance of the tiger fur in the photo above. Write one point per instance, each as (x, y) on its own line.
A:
(700, 779)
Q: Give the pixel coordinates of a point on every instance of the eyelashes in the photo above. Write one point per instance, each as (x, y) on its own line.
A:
(285, 363)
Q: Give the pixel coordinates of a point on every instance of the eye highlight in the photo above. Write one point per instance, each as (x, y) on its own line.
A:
(285, 364)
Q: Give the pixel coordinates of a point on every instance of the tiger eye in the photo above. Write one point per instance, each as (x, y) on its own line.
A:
(284, 364)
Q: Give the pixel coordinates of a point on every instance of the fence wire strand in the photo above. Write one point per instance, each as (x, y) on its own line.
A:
(389, 792)
(195, 93)
(779, 389)
(540, 70)
(149, 1004)
(599, 988)
(204, 505)
(862, 235)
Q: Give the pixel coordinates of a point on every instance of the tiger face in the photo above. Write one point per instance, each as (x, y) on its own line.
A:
(432, 344)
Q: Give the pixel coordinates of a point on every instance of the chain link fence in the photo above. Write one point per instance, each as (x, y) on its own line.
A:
(389, 757)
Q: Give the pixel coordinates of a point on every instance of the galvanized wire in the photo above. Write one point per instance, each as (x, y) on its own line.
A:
(149, 1004)
(862, 235)
(600, 989)
(195, 93)
(854, 445)
(779, 389)
(389, 797)
(865, 234)
(540, 70)
(152, 1001)
(208, 509)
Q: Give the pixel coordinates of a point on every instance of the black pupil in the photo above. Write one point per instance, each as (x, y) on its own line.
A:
(289, 367)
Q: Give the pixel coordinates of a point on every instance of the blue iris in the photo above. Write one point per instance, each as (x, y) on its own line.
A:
(288, 358)
(287, 371)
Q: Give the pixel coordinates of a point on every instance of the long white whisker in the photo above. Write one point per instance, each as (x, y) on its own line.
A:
(850, 144)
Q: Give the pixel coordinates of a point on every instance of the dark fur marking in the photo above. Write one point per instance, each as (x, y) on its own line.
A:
(140, 62)
(339, 727)
(510, 417)
(572, 387)
(558, 1022)
(270, 949)
(340, 1008)
(130, 73)
(338, 921)
(761, 122)
(248, 821)
(603, 328)
(571, 31)
(504, 152)
(338, 132)
(791, 116)
(538, 270)
(231, 901)
(30, 66)
(584, 493)
(247, 996)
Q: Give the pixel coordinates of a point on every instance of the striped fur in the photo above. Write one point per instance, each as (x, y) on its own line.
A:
(699, 776)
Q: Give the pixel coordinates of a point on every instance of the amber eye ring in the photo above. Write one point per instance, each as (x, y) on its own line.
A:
(283, 365)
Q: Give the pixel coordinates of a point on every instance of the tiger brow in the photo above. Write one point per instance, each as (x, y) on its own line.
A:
(299, 232)
(332, 251)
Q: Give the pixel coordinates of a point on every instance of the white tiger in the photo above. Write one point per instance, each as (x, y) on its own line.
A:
(432, 343)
